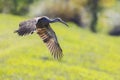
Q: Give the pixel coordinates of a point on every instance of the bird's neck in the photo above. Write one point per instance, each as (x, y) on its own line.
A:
(54, 20)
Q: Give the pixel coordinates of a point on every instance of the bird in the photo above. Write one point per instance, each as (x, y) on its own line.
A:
(41, 25)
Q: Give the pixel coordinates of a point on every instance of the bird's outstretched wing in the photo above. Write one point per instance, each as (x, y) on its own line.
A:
(49, 37)
(26, 27)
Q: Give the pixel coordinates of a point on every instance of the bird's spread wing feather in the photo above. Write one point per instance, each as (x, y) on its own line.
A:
(26, 27)
(49, 37)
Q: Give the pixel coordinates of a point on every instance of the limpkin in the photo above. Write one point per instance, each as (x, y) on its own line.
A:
(41, 25)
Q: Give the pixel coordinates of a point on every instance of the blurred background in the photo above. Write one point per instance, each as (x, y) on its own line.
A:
(91, 44)
(97, 15)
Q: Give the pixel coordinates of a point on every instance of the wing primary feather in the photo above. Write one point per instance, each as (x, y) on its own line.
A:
(54, 49)
(51, 48)
(57, 53)
(49, 45)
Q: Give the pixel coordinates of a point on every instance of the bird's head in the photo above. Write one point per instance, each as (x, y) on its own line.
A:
(44, 19)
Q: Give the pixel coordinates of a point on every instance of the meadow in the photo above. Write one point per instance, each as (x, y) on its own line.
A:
(87, 56)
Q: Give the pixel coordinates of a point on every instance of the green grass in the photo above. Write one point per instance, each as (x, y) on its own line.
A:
(87, 56)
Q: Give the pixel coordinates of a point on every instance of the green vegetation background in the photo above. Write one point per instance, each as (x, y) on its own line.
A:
(87, 56)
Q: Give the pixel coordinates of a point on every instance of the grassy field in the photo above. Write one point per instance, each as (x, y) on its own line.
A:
(87, 56)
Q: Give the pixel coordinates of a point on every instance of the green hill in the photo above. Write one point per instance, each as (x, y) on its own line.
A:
(87, 56)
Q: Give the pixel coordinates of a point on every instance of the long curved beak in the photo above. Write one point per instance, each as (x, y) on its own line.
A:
(58, 20)
(64, 23)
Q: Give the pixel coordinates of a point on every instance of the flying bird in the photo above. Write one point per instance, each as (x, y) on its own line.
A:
(41, 25)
